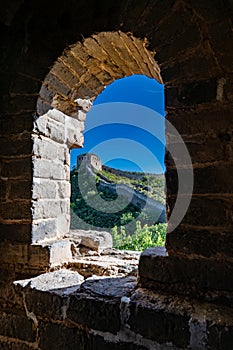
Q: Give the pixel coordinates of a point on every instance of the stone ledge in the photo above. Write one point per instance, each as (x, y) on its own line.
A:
(117, 315)
(198, 277)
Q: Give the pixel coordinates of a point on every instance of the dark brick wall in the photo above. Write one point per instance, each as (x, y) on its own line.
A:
(193, 45)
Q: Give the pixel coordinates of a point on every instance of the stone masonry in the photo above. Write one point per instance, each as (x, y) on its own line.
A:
(56, 59)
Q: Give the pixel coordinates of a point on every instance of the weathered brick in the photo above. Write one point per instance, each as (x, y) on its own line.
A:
(191, 94)
(3, 189)
(17, 326)
(210, 14)
(70, 338)
(56, 85)
(43, 188)
(219, 336)
(184, 275)
(20, 190)
(17, 168)
(64, 74)
(15, 345)
(50, 128)
(184, 41)
(16, 232)
(94, 312)
(73, 63)
(42, 229)
(186, 69)
(45, 148)
(203, 211)
(16, 124)
(210, 120)
(16, 145)
(45, 209)
(16, 210)
(211, 179)
(25, 84)
(223, 48)
(50, 170)
(193, 240)
(26, 102)
(201, 150)
(155, 323)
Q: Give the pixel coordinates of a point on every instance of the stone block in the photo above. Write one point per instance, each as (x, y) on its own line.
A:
(47, 169)
(185, 40)
(44, 229)
(45, 208)
(63, 154)
(211, 179)
(191, 276)
(190, 94)
(57, 115)
(45, 148)
(14, 145)
(62, 337)
(59, 252)
(9, 344)
(43, 188)
(202, 121)
(158, 323)
(47, 295)
(20, 190)
(95, 313)
(19, 168)
(16, 124)
(64, 189)
(186, 69)
(206, 242)
(3, 189)
(58, 86)
(95, 240)
(48, 127)
(16, 210)
(63, 223)
(97, 305)
(15, 232)
(73, 132)
(204, 211)
(17, 326)
(203, 150)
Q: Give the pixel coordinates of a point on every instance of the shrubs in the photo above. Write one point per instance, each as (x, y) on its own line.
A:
(143, 237)
(91, 209)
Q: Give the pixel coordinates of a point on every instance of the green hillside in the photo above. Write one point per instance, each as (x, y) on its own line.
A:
(130, 227)
(151, 185)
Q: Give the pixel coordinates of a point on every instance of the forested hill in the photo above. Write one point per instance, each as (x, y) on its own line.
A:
(151, 185)
(143, 185)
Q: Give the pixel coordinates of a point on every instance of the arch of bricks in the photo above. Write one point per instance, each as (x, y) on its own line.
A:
(57, 57)
(67, 92)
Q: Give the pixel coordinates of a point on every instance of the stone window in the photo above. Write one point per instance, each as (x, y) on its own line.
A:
(66, 95)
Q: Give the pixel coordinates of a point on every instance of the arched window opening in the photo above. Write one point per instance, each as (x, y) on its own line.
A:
(68, 93)
(117, 178)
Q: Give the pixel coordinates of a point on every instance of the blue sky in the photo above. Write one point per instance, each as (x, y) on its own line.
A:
(125, 126)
